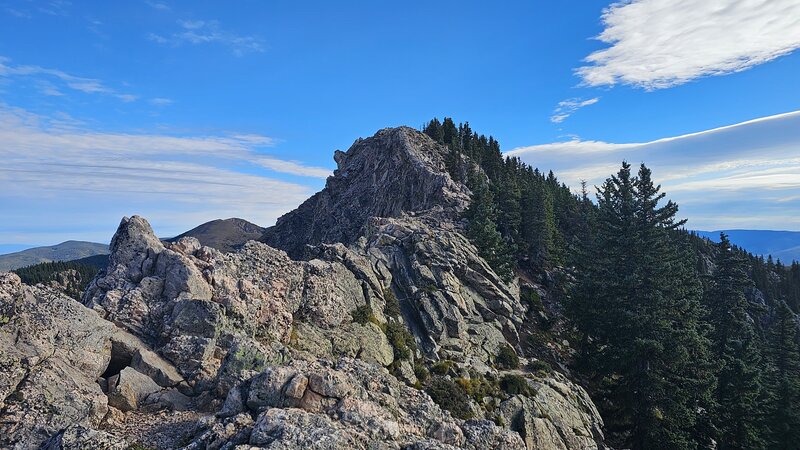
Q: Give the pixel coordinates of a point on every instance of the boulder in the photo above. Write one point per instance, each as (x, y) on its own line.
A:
(129, 389)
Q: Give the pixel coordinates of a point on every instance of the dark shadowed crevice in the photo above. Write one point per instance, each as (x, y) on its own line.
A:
(120, 359)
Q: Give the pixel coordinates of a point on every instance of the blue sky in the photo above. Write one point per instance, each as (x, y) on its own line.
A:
(188, 111)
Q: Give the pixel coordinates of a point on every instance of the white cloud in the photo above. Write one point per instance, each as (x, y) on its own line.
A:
(158, 5)
(46, 75)
(160, 101)
(59, 178)
(568, 107)
(748, 171)
(198, 32)
(55, 7)
(657, 44)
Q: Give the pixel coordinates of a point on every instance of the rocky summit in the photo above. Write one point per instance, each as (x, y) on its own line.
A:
(365, 319)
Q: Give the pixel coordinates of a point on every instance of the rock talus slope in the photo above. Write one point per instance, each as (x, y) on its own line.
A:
(314, 339)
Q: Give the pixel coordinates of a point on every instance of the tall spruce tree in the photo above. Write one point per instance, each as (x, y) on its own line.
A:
(784, 380)
(648, 351)
(482, 230)
(735, 347)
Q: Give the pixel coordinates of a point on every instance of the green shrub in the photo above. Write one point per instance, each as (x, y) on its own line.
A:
(539, 366)
(421, 372)
(442, 367)
(514, 384)
(401, 339)
(363, 315)
(392, 307)
(533, 300)
(507, 358)
(430, 288)
(450, 396)
(479, 387)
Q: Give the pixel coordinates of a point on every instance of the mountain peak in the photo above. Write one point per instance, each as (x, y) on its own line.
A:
(396, 171)
(224, 234)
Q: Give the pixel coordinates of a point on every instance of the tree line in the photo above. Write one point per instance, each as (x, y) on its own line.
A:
(71, 276)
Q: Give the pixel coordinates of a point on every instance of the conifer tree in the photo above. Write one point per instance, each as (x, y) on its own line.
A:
(784, 380)
(483, 232)
(434, 130)
(449, 132)
(649, 350)
(736, 349)
(508, 208)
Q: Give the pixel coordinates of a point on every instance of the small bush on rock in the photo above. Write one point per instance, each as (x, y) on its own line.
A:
(442, 367)
(421, 372)
(539, 366)
(479, 387)
(514, 385)
(533, 300)
(363, 315)
(450, 396)
(507, 358)
(401, 339)
(392, 307)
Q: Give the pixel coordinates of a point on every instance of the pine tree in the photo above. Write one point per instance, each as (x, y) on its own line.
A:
(648, 347)
(784, 380)
(483, 232)
(449, 132)
(508, 208)
(736, 349)
(546, 243)
(435, 131)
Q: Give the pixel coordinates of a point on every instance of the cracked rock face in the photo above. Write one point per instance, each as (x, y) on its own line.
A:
(397, 170)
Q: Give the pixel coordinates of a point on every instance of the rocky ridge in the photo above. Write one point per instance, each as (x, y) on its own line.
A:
(270, 349)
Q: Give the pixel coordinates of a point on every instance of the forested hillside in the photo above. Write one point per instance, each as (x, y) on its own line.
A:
(682, 342)
(71, 277)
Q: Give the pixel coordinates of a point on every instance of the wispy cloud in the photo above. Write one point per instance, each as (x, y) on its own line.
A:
(161, 6)
(568, 107)
(57, 172)
(196, 32)
(20, 13)
(55, 7)
(160, 101)
(46, 76)
(657, 44)
(745, 171)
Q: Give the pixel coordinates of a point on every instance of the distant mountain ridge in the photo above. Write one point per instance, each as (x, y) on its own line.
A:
(783, 245)
(224, 234)
(65, 251)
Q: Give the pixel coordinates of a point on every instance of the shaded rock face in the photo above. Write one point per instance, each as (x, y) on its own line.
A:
(458, 307)
(397, 170)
